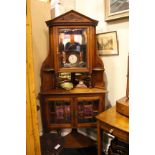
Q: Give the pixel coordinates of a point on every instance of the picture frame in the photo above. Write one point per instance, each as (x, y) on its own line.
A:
(107, 43)
(116, 9)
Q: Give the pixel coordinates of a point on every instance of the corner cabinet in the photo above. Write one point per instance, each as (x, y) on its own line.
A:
(72, 76)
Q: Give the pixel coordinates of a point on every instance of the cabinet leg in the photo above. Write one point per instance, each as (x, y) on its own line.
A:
(59, 131)
(99, 138)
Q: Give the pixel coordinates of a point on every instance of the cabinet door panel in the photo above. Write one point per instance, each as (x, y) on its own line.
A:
(87, 109)
(59, 111)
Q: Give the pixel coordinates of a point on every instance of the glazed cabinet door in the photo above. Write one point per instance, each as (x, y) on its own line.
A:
(58, 113)
(87, 108)
(72, 51)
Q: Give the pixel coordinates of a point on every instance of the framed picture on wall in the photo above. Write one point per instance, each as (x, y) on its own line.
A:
(116, 9)
(107, 43)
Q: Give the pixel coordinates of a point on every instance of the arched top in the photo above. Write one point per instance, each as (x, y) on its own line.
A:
(72, 18)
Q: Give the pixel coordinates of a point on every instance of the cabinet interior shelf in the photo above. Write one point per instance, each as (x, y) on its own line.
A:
(98, 69)
(48, 70)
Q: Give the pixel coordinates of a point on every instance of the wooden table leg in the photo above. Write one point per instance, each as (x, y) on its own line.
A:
(99, 138)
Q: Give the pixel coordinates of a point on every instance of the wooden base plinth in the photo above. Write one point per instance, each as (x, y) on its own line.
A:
(77, 140)
(122, 106)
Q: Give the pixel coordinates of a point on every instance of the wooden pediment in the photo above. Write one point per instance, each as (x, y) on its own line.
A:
(72, 18)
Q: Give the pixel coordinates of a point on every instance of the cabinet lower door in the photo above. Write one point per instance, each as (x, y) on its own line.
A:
(87, 109)
(59, 112)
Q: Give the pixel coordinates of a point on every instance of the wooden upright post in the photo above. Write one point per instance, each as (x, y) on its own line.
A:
(32, 128)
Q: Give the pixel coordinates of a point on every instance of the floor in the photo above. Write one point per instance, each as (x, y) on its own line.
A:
(84, 151)
(53, 144)
(49, 141)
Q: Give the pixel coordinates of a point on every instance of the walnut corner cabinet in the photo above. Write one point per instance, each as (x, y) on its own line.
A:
(72, 77)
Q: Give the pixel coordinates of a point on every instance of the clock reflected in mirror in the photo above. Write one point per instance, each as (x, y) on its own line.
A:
(72, 59)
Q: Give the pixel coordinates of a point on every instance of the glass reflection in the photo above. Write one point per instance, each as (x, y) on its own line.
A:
(72, 47)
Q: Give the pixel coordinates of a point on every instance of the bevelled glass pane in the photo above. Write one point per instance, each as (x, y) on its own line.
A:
(72, 48)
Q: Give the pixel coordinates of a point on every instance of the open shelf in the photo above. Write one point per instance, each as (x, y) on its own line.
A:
(48, 70)
(77, 140)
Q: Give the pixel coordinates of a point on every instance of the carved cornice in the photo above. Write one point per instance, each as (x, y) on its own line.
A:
(71, 18)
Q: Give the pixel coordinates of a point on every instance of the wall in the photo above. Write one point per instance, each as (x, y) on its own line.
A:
(40, 12)
(115, 66)
(61, 6)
